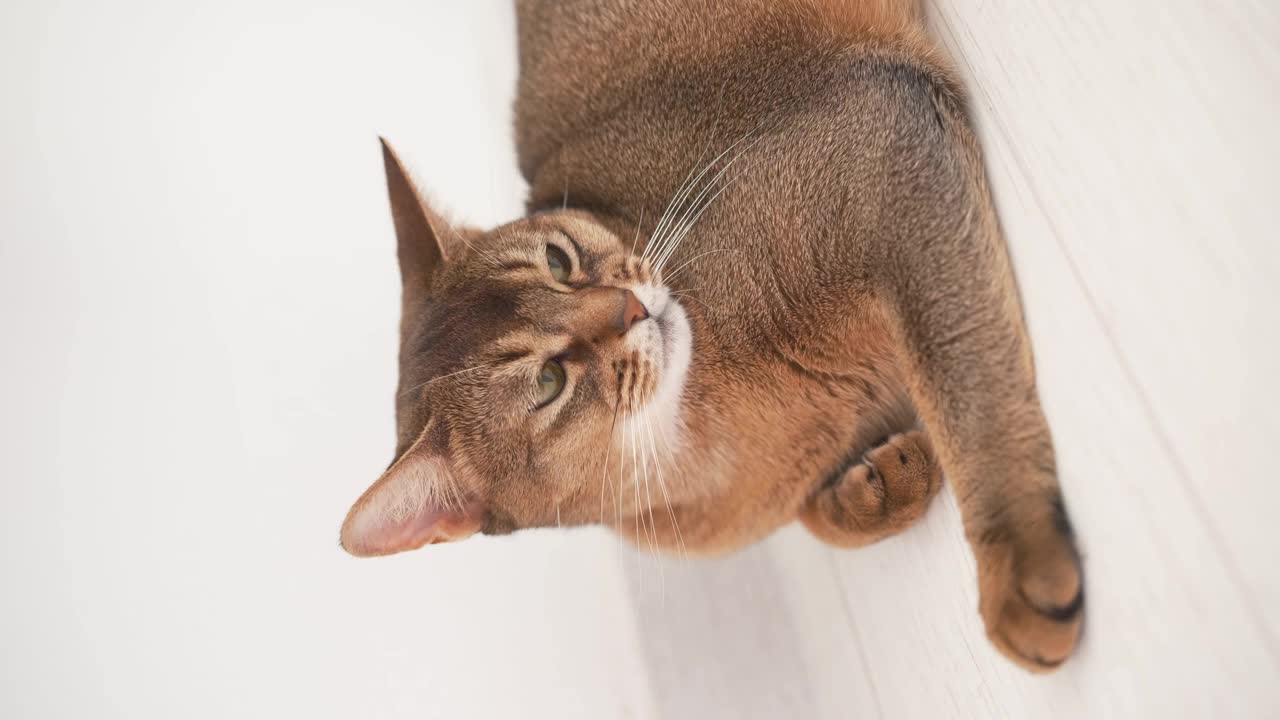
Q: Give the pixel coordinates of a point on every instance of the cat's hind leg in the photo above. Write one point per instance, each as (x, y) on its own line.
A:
(875, 493)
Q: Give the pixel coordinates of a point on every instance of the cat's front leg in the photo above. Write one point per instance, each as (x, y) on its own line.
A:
(973, 383)
(976, 392)
(879, 493)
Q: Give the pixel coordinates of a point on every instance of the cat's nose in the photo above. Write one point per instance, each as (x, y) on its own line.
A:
(633, 311)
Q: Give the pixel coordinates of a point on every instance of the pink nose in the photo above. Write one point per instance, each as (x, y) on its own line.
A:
(633, 311)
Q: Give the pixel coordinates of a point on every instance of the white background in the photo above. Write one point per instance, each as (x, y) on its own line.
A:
(198, 306)
(199, 312)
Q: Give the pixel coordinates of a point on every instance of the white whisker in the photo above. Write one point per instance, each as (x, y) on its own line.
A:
(666, 442)
(649, 450)
(444, 377)
(661, 233)
(662, 487)
(483, 255)
(686, 222)
(644, 460)
(635, 485)
(686, 263)
(695, 298)
(604, 475)
(622, 453)
(672, 205)
(636, 239)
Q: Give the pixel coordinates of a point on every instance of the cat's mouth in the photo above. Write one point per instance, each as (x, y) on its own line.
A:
(655, 341)
(667, 345)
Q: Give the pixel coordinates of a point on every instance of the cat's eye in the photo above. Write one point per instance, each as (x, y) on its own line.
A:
(558, 263)
(550, 382)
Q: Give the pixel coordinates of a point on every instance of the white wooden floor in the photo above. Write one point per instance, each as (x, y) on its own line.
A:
(198, 307)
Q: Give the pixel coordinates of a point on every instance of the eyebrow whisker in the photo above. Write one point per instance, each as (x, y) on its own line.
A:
(484, 255)
(444, 377)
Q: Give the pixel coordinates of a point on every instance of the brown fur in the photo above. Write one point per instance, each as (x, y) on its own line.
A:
(856, 326)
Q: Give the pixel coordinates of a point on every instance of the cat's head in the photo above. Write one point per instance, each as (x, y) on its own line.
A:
(526, 355)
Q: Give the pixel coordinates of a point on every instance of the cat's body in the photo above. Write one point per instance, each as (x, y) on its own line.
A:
(835, 288)
(794, 366)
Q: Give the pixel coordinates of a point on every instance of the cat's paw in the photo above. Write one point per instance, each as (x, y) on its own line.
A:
(1031, 589)
(883, 493)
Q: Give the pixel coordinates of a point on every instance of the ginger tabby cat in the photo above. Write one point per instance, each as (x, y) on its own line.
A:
(761, 280)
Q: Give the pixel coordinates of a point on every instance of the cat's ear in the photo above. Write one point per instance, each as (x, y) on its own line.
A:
(414, 503)
(424, 239)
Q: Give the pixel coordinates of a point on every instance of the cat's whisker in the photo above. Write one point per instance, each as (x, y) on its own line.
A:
(635, 487)
(608, 445)
(662, 486)
(487, 257)
(688, 186)
(644, 459)
(648, 450)
(685, 229)
(657, 240)
(419, 386)
(635, 484)
(636, 520)
(662, 432)
(684, 291)
(617, 489)
(685, 224)
(695, 298)
(618, 520)
(672, 205)
(651, 245)
(675, 273)
(663, 233)
(636, 239)
(682, 230)
(636, 459)
(679, 222)
(695, 211)
(621, 454)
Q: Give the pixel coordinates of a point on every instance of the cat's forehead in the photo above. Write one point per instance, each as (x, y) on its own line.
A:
(467, 322)
(490, 323)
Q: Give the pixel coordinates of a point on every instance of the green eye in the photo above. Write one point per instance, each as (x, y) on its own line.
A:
(550, 382)
(558, 263)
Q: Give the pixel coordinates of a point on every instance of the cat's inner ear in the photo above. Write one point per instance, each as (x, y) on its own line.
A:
(424, 239)
(414, 503)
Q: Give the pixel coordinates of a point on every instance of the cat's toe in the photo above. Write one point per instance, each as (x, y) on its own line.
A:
(908, 471)
(1032, 599)
(885, 491)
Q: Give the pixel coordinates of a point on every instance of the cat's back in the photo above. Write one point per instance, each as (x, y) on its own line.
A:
(586, 62)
